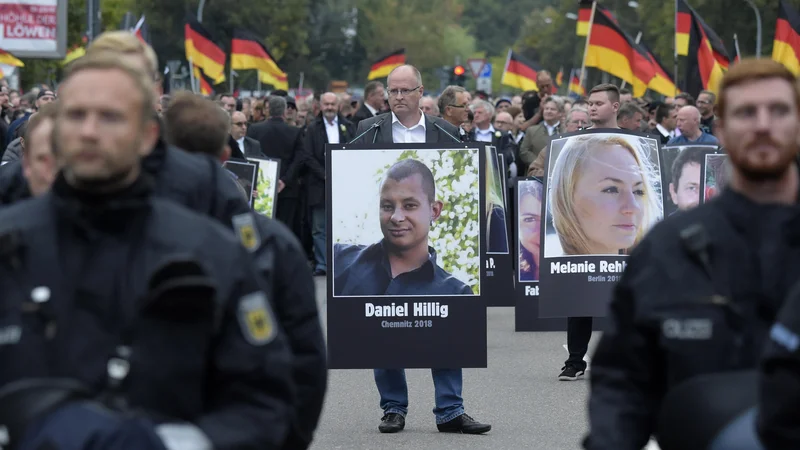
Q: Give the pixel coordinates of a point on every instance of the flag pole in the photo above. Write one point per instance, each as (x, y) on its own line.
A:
(588, 37)
(258, 77)
(675, 42)
(191, 74)
(638, 39)
(231, 74)
(736, 46)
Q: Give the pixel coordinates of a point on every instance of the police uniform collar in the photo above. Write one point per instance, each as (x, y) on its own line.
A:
(427, 268)
(741, 212)
(103, 209)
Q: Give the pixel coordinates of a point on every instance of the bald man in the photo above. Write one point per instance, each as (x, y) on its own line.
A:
(691, 134)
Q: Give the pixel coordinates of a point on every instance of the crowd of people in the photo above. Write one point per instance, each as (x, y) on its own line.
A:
(145, 305)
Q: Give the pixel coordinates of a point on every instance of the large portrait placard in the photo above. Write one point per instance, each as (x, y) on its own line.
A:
(681, 176)
(265, 199)
(405, 256)
(716, 173)
(602, 195)
(499, 286)
(246, 175)
(527, 243)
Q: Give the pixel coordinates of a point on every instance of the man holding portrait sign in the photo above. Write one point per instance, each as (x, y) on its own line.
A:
(407, 267)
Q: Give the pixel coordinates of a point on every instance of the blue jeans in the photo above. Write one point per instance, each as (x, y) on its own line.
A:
(447, 384)
(318, 231)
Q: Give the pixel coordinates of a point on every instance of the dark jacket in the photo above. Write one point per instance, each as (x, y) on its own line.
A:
(13, 151)
(198, 182)
(13, 185)
(316, 138)
(281, 262)
(674, 316)
(252, 148)
(102, 258)
(281, 141)
(363, 113)
(383, 133)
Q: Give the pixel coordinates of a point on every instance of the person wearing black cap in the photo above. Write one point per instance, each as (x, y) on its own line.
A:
(502, 104)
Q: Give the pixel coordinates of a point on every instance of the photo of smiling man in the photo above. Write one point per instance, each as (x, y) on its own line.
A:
(403, 262)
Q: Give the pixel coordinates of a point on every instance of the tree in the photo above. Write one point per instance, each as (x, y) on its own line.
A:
(497, 25)
(48, 70)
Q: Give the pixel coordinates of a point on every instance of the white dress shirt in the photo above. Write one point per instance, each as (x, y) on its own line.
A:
(403, 135)
(371, 109)
(664, 132)
(332, 130)
(551, 129)
(240, 142)
(484, 135)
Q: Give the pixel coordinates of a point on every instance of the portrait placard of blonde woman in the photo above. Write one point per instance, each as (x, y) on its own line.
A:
(602, 195)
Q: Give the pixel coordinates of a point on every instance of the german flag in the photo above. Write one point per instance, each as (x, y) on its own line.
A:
(202, 51)
(575, 84)
(613, 51)
(384, 65)
(718, 48)
(247, 52)
(683, 26)
(519, 73)
(786, 47)
(559, 78)
(203, 82)
(279, 81)
(584, 17)
(8, 58)
(662, 82)
(704, 70)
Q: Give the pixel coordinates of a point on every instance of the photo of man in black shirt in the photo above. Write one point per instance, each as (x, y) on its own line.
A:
(403, 262)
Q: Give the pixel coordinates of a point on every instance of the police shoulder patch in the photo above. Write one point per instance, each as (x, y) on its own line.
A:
(245, 226)
(256, 319)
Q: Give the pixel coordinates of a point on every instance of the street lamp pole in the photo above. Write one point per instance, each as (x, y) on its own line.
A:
(758, 27)
(200, 10)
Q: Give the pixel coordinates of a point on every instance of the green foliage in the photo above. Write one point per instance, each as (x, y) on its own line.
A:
(265, 186)
(456, 234)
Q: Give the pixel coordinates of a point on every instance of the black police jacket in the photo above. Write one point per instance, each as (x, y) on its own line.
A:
(13, 185)
(195, 181)
(698, 296)
(84, 280)
(281, 262)
(778, 420)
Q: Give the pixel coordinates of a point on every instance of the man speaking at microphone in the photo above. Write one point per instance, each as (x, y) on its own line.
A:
(407, 124)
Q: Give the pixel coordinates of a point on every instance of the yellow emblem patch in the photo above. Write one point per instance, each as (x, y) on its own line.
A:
(256, 319)
(245, 227)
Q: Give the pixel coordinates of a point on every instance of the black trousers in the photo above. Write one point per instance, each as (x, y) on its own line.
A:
(286, 212)
(579, 331)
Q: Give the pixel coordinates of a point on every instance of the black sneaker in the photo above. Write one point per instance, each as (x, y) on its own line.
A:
(392, 423)
(464, 424)
(570, 373)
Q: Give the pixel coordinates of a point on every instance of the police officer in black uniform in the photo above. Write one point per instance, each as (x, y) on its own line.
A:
(200, 126)
(778, 421)
(703, 288)
(153, 308)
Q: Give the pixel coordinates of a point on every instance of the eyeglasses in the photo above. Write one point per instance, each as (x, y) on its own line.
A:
(458, 106)
(240, 124)
(396, 92)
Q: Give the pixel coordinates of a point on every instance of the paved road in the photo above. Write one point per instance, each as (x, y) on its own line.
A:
(518, 394)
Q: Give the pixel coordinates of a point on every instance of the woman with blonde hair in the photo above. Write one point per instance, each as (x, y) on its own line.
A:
(603, 196)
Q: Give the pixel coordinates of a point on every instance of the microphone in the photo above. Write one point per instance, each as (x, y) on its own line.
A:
(372, 127)
(445, 132)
